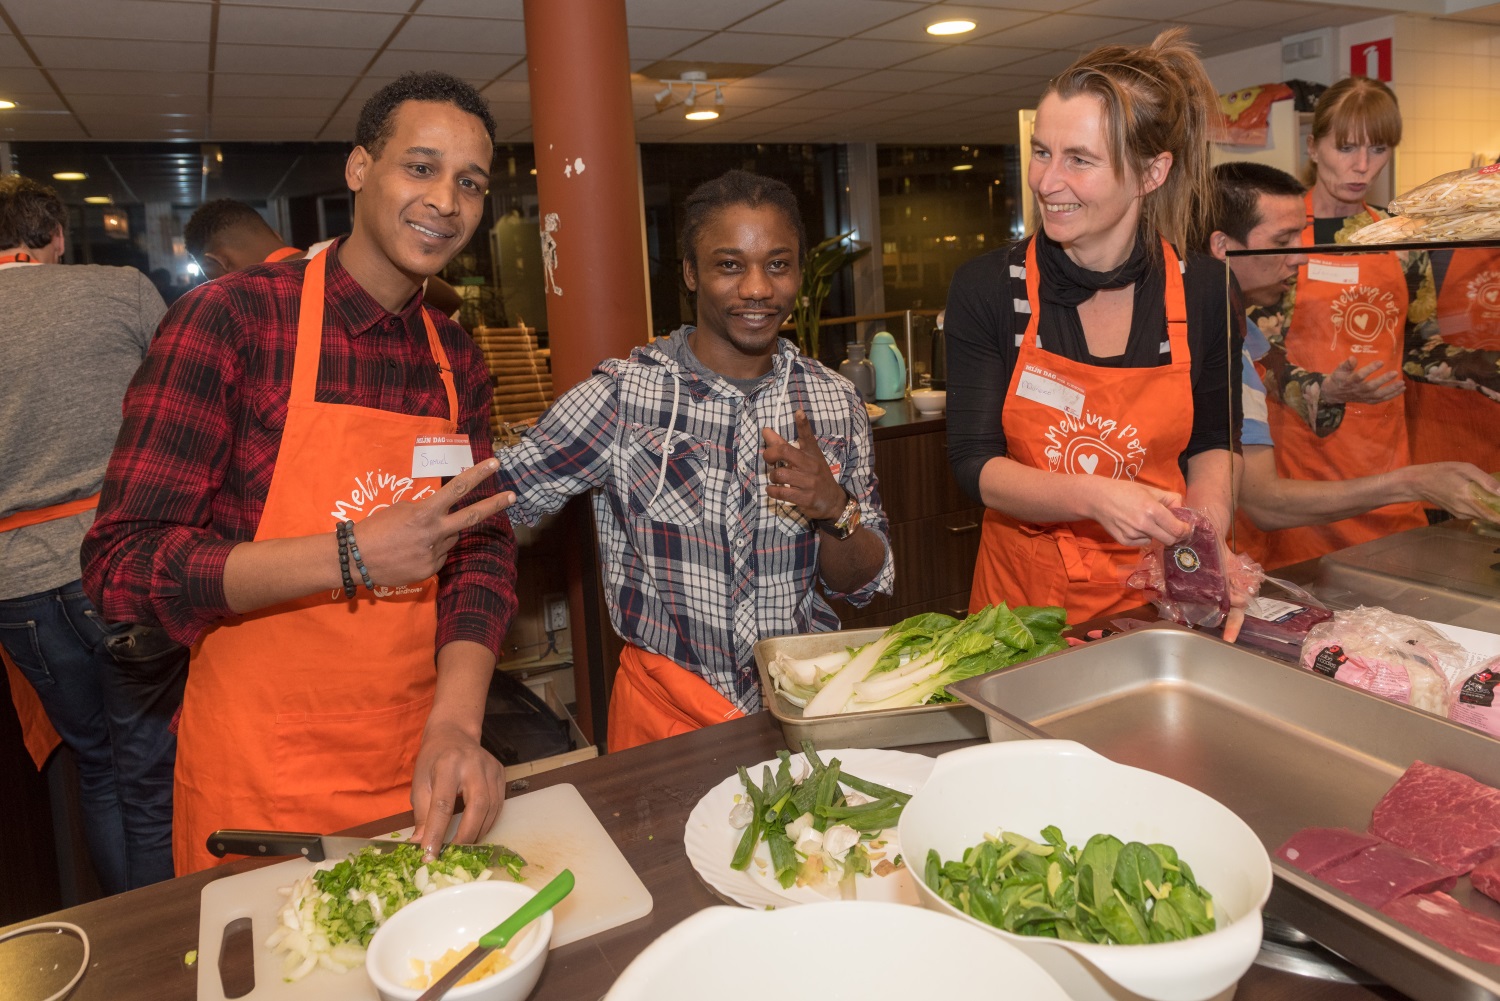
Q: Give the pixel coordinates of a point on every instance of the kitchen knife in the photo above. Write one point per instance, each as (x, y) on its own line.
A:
(499, 936)
(313, 847)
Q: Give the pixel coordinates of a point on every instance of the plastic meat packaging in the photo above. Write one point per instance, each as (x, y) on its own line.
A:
(1475, 704)
(1394, 656)
(1186, 580)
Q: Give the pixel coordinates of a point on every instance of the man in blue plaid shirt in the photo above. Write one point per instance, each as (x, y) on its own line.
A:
(719, 522)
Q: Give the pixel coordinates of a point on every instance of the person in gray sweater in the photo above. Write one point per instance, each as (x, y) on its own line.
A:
(71, 338)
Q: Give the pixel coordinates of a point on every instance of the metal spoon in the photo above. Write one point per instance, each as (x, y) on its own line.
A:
(546, 898)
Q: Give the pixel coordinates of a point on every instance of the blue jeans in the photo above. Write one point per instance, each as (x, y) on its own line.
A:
(110, 692)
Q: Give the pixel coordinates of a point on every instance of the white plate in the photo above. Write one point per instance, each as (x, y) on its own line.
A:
(710, 841)
(875, 412)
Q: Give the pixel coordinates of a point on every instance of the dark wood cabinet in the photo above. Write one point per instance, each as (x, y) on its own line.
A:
(934, 526)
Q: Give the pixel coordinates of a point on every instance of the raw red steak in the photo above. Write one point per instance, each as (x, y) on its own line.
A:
(1381, 873)
(1316, 848)
(1486, 877)
(1442, 815)
(1440, 917)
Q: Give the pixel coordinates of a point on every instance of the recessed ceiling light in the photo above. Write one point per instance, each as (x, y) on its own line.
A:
(70, 175)
(7, 104)
(963, 166)
(99, 200)
(957, 26)
(701, 115)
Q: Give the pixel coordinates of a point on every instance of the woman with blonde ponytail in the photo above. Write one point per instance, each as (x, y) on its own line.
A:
(1089, 387)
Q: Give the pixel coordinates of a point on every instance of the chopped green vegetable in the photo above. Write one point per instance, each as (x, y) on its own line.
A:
(1110, 892)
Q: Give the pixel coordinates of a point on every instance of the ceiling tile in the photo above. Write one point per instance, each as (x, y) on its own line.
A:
(676, 14)
(897, 81)
(832, 99)
(22, 80)
(800, 77)
(334, 29)
(507, 9)
(868, 53)
(824, 17)
(462, 34)
(1248, 13)
(508, 90)
(744, 47)
(115, 19)
(126, 82)
(1046, 64)
(60, 128)
(985, 84)
(913, 26)
(357, 6)
(11, 53)
(276, 85)
(739, 96)
(130, 104)
(291, 107)
(36, 101)
(652, 44)
(109, 54)
(294, 60)
(1061, 31)
(971, 59)
(1136, 8)
(472, 66)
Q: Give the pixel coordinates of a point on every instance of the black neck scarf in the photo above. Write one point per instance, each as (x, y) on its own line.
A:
(1064, 286)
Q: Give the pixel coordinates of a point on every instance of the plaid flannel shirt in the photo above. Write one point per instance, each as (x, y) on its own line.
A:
(698, 562)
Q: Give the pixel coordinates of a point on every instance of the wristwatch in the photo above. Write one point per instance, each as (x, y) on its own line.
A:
(845, 524)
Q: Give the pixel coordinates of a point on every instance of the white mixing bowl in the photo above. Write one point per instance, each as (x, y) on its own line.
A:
(929, 401)
(1023, 786)
(873, 951)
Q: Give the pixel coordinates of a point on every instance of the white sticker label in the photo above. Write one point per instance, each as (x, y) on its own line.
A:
(1050, 390)
(441, 455)
(1271, 610)
(1338, 274)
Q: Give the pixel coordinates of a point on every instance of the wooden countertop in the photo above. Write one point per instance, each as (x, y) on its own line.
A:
(642, 797)
(901, 419)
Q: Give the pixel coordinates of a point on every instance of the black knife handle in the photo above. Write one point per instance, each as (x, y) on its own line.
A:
(266, 844)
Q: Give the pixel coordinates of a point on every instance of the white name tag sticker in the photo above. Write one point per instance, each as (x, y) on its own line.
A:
(441, 455)
(1050, 390)
(1338, 274)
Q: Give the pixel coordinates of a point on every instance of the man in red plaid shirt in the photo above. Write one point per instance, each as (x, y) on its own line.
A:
(276, 500)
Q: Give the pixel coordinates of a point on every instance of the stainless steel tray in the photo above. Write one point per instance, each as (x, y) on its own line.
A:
(876, 728)
(1282, 747)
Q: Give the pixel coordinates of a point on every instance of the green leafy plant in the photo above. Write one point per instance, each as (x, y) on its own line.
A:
(823, 263)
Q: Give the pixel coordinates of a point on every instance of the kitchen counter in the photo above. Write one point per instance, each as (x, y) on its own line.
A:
(902, 418)
(641, 796)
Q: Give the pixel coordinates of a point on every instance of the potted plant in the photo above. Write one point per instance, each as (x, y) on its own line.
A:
(823, 262)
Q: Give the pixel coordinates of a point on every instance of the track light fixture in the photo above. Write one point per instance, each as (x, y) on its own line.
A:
(693, 81)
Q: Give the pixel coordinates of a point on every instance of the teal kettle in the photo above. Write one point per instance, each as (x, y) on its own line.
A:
(890, 367)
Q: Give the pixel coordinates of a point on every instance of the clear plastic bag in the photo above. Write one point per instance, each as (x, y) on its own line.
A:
(1188, 581)
(1391, 655)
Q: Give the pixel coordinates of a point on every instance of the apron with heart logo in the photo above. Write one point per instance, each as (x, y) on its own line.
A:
(1348, 306)
(1124, 423)
(1448, 423)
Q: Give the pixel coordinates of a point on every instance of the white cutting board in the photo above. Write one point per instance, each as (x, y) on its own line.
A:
(552, 828)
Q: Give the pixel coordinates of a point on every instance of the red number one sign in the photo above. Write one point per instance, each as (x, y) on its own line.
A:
(1371, 59)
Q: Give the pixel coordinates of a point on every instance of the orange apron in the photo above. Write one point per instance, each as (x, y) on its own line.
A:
(1448, 424)
(281, 255)
(1133, 423)
(1356, 308)
(36, 729)
(653, 698)
(307, 716)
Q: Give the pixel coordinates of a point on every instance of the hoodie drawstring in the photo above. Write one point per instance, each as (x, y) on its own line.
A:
(666, 443)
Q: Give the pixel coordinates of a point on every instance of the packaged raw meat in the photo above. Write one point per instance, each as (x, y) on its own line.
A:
(1445, 920)
(1188, 581)
(1441, 815)
(1486, 877)
(1280, 627)
(1314, 849)
(1476, 704)
(1394, 656)
(1382, 872)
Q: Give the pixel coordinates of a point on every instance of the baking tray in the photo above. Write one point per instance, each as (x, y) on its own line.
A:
(874, 728)
(1282, 747)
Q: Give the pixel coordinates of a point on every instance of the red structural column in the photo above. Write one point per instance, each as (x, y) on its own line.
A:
(588, 182)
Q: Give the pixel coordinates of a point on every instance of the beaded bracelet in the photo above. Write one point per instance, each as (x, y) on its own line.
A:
(344, 560)
(358, 562)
